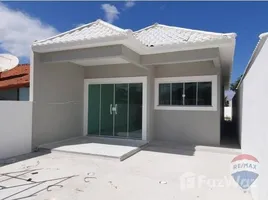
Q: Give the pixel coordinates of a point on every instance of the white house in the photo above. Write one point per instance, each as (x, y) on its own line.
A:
(252, 97)
(160, 82)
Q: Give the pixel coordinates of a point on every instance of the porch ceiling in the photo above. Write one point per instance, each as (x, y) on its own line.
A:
(120, 54)
(101, 61)
(117, 54)
(181, 57)
(114, 54)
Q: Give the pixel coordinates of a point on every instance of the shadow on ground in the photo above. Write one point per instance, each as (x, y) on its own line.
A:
(229, 135)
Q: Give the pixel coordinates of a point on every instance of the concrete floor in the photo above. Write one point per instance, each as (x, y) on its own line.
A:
(159, 171)
(116, 148)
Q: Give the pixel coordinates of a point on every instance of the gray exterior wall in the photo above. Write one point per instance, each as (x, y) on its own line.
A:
(150, 104)
(58, 102)
(189, 127)
(57, 95)
(111, 71)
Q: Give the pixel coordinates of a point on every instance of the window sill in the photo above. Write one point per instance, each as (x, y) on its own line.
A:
(189, 108)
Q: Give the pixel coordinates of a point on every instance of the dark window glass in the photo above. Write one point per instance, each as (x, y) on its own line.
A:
(190, 94)
(177, 92)
(204, 93)
(164, 94)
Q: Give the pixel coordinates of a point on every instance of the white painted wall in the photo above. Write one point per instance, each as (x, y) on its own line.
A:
(15, 128)
(253, 118)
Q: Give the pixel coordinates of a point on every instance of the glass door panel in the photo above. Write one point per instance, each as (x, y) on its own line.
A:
(107, 102)
(135, 110)
(121, 110)
(115, 110)
(93, 109)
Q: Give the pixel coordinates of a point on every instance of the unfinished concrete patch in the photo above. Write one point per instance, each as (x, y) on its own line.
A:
(156, 172)
(115, 148)
(194, 148)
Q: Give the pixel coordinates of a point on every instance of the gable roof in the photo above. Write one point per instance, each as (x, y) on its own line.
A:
(161, 35)
(92, 31)
(15, 78)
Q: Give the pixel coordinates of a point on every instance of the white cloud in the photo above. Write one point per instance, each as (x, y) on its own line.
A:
(129, 3)
(18, 30)
(111, 12)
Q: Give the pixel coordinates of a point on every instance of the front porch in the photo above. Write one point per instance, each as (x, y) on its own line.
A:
(158, 171)
(116, 97)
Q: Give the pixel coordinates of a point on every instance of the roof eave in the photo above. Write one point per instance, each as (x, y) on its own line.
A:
(230, 65)
(187, 46)
(104, 41)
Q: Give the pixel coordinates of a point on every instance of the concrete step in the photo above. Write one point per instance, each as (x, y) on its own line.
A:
(113, 148)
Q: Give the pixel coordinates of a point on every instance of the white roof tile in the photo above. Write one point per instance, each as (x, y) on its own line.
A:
(161, 35)
(95, 30)
(152, 36)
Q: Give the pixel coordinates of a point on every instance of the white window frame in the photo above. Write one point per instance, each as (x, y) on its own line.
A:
(185, 79)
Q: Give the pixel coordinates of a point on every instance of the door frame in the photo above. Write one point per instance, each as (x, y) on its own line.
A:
(138, 79)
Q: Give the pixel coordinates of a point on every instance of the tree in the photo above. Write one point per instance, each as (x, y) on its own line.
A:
(234, 85)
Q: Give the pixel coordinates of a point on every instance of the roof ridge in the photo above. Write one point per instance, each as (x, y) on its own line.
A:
(187, 29)
(145, 28)
(111, 25)
(83, 26)
(60, 34)
(197, 30)
(263, 35)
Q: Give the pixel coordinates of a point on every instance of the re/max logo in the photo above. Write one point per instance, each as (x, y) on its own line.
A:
(245, 166)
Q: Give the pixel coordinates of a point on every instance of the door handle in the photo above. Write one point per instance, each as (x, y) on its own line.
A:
(115, 110)
(111, 109)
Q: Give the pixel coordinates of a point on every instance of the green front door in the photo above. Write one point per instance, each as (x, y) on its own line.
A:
(115, 110)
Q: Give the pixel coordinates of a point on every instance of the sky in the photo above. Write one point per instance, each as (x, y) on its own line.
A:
(21, 23)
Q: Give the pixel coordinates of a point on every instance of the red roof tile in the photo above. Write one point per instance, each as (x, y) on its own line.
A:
(15, 78)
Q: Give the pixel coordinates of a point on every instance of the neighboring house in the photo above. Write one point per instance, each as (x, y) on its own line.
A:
(251, 113)
(229, 94)
(160, 82)
(14, 83)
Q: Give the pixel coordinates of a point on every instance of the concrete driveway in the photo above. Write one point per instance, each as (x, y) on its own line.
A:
(157, 172)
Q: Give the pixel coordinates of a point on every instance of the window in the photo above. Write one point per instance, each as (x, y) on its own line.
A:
(193, 93)
(177, 94)
(190, 94)
(164, 94)
(204, 93)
